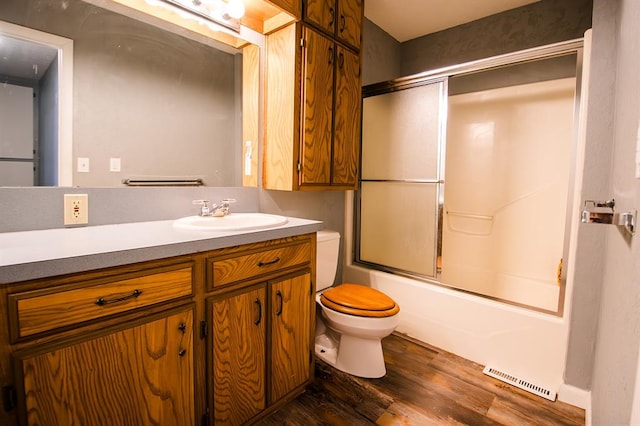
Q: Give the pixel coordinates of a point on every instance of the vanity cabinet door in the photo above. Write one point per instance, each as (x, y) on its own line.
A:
(238, 355)
(141, 375)
(292, 304)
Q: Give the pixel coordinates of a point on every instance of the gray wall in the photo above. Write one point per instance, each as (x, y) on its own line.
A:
(166, 105)
(537, 24)
(590, 256)
(618, 339)
(380, 55)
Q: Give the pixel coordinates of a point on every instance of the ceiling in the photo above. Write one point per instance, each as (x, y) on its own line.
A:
(407, 19)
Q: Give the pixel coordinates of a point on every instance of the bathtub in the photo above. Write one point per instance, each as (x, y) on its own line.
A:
(528, 344)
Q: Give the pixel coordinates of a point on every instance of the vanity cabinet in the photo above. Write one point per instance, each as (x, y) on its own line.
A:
(113, 346)
(261, 344)
(313, 109)
(216, 337)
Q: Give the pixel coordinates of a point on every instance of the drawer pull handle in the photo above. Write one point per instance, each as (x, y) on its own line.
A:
(182, 352)
(102, 301)
(259, 304)
(271, 262)
(281, 304)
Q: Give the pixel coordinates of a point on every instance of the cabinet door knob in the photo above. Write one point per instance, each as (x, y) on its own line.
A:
(259, 304)
(182, 352)
(280, 304)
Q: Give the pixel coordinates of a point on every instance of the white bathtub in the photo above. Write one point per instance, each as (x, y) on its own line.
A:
(528, 344)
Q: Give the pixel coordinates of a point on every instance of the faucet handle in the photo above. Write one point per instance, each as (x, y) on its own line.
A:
(227, 201)
(204, 210)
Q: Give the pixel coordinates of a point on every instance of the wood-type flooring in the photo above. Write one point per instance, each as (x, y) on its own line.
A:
(423, 386)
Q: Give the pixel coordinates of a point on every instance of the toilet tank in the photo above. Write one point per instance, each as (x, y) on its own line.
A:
(328, 248)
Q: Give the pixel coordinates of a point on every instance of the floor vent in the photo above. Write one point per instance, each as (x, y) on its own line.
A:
(520, 383)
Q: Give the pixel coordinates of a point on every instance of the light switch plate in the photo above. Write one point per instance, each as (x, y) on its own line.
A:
(83, 165)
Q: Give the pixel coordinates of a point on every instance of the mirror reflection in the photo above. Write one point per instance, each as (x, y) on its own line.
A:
(148, 104)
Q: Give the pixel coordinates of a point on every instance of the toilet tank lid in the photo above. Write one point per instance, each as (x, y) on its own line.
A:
(327, 235)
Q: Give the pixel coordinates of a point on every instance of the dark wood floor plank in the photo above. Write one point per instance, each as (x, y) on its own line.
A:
(423, 386)
(471, 372)
(402, 414)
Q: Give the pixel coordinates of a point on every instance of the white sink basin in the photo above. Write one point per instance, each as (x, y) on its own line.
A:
(230, 222)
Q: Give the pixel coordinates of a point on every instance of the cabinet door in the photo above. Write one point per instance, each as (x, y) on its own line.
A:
(315, 155)
(239, 356)
(292, 303)
(141, 375)
(349, 22)
(321, 13)
(346, 144)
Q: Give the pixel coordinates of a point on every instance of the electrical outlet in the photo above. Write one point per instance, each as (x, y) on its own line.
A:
(76, 209)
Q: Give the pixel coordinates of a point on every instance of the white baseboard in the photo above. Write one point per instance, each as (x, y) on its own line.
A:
(577, 397)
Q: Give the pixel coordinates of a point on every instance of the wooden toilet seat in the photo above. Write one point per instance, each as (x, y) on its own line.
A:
(359, 300)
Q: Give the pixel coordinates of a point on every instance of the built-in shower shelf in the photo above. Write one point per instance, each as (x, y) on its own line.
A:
(520, 383)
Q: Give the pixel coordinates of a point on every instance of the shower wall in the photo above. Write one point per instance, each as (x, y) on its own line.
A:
(507, 179)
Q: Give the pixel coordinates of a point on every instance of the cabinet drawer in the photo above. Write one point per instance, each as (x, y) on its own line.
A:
(39, 311)
(226, 271)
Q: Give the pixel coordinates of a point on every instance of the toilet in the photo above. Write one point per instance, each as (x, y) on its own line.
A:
(352, 319)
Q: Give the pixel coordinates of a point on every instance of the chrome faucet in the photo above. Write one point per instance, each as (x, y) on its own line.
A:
(217, 210)
(223, 207)
(204, 210)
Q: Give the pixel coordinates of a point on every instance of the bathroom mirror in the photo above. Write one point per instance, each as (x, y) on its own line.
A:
(148, 104)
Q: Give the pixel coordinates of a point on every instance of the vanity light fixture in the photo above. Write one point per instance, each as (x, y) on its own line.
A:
(224, 12)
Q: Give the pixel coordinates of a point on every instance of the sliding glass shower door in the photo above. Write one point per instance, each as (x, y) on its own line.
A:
(489, 215)
(401, 178)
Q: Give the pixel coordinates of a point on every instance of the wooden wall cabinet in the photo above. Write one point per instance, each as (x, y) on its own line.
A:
(219, 337)
(341, 19)
(313, 109)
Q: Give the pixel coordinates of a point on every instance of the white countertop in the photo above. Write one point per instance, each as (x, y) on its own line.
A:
(37, 254)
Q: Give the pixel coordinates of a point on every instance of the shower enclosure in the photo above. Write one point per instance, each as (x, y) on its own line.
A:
(466, 176)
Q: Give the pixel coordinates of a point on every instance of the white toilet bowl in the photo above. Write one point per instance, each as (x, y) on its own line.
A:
(351, 319)
(353, 344)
